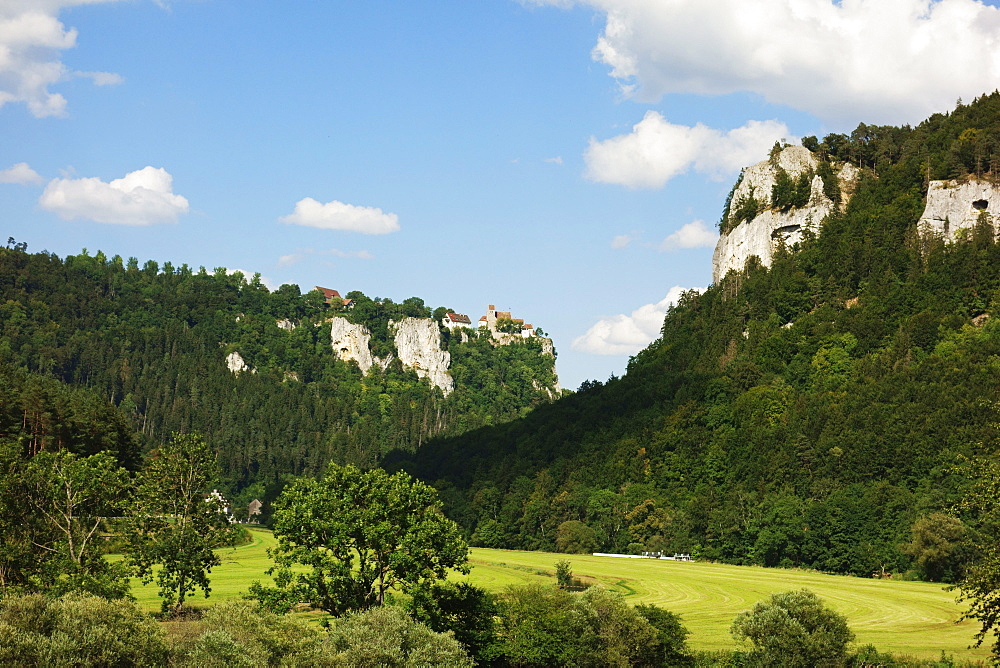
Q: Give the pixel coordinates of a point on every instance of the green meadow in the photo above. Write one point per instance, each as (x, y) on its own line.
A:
(915, 618)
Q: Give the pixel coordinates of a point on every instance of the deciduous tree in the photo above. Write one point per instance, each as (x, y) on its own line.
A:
(362, 535)
(175, 524)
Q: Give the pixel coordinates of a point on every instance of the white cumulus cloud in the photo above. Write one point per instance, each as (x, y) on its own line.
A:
(142, 197)
(623, 241)
(657, 151)
(21, 173)
(695, 234)
(628, 334)
(32, 39)
(339, 216)
(289, 260)
(886, 61)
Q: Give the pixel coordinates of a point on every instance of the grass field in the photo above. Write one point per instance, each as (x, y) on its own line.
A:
(914, 618)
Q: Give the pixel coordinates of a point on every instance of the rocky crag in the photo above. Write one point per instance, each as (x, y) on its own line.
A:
(953, 206)
(762, 233)
(418, 347)
(418, 344)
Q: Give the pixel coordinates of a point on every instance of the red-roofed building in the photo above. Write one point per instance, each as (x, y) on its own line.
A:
(454, 320)
(329, 295)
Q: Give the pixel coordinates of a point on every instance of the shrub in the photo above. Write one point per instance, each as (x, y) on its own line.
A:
(672, 649)
(548, 626)
(78, 630)
(242, 633)
(794, 629)
(387, 637)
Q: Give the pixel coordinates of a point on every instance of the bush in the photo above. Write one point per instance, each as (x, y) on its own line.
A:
(78, 630)
(386, 637)
(794, 629)
(548, 626)
(242, 633)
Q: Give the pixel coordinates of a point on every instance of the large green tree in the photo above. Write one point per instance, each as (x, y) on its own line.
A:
(175, 524)
(361, 534)
(70, 499)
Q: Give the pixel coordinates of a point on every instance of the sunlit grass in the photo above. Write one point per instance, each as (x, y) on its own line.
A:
(914, 618)
(241, 565)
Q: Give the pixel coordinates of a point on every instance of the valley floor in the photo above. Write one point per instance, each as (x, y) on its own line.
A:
(915, 618)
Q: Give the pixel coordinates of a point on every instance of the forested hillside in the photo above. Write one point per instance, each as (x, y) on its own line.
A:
(153, 340)
(816, 413)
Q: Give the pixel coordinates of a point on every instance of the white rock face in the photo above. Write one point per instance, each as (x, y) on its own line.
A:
(762, 235)
(350, 342)
(953, 206)
(418, 344)
(287, 325)
(237, 364)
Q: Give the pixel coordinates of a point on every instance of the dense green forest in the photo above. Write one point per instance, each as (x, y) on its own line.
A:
(817, 413)
(153, 341)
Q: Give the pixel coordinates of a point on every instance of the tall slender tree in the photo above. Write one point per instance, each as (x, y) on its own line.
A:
(175, 523)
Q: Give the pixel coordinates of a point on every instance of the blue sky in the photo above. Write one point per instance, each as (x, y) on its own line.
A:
(563, 160)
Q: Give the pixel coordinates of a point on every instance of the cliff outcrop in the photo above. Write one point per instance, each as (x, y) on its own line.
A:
(771, 226)
(957, 205)
(351, 343)
(418, 345)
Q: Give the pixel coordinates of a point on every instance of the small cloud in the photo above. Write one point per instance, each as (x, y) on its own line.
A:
(657, 151)
(695, 234)
(102, 78)
(339, 216)
(142, 197)
(289, 260)
(623, 240)
(556, 160)
(20, 174)
(628, 334)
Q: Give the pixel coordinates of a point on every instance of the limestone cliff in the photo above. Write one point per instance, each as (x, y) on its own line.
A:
(770, 227)
(351, 343)
(957, 205)
(418, 344)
